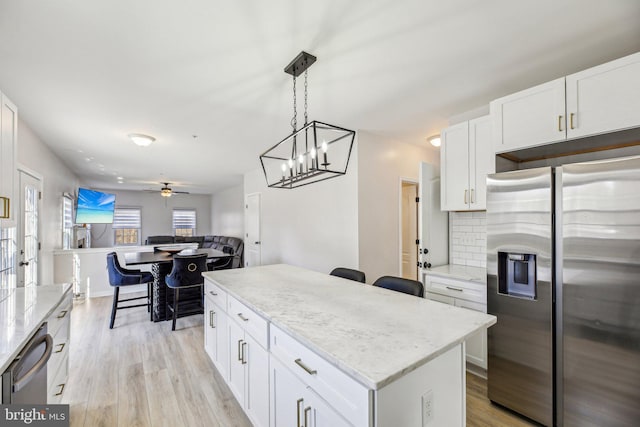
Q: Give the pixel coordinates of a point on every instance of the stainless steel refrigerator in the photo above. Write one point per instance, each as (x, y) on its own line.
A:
(563, 278)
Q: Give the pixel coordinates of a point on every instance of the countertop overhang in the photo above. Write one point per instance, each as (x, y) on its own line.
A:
(373, 334)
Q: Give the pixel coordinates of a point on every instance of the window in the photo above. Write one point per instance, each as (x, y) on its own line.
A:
(7, 258)
(126, 226)
(67, 221)
(184, 222)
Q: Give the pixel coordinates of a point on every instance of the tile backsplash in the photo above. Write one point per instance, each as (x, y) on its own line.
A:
(468, 238)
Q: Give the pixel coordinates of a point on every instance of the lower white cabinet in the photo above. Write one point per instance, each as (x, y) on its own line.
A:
(294, 403)
(216, 336)
(465, 294)
(58, 326)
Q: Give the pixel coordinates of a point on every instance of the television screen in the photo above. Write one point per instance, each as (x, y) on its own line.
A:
(95, 207)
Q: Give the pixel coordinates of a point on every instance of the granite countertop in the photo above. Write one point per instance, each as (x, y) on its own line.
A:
(372, 334)
(462, 272)
(22, 311)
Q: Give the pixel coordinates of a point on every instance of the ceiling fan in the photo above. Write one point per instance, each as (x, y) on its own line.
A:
(167, 191)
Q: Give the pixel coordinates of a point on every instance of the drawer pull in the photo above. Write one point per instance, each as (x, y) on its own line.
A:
(244, 353)
(242, 317)
(213, 293)
(306, 411)
(59, 393)
(455, 289)
(62, 314)
(239, 350)
(211, 315)
(560, 124)
(305, 367)
(61, 348)
(571, 119)
(298, 402)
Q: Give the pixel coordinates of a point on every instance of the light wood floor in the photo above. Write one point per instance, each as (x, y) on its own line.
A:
(142, 374)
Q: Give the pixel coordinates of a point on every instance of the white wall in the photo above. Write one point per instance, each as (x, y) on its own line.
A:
(227, 212)
(156, 214)
(314, 226)
(382, 163)
(57, 179)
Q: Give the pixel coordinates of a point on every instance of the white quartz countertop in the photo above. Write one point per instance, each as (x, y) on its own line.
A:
(462, 272)
(372, 334)
(22, 311)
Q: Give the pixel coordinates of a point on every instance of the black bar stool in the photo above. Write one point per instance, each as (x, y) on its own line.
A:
(186, 273)
(118, 277)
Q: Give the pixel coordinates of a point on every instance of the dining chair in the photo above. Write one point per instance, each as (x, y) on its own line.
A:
(348, 273)
(399, 284)
(119, 276)
(222, 263)
(186, 273)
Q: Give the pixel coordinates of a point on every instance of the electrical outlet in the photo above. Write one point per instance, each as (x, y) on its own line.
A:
(427, 408)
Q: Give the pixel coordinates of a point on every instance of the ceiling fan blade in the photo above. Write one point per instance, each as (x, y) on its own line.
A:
(181, 192)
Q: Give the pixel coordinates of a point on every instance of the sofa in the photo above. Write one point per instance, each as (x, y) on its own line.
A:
(215, 242)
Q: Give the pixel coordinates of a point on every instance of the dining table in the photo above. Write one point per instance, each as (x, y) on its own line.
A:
(161, 261)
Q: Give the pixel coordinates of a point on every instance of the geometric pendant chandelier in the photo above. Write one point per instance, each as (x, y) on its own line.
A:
(316, 152)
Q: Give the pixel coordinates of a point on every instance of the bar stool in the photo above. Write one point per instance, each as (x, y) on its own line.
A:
(118, 277)
(399, 284)
(348, 273)
(186, 273)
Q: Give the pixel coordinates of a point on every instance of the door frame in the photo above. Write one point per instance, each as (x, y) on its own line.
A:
(402, 180)
(21, 169)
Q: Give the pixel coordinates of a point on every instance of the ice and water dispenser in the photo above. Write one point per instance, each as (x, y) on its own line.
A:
(517, 274)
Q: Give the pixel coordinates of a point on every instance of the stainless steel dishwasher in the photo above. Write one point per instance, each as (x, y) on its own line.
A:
(25, 380)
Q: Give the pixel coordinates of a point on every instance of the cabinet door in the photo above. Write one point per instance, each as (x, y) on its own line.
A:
(481, 161)
(8, 151)
(605, 98)
(210, 344)
(287, 396)
(454, 161)
(257, 383)
(532, 117)
(316, 413)
(220, 323)
(236, 361)
(476, 345)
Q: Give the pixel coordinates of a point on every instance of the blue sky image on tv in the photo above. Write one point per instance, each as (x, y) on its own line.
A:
(95, 207)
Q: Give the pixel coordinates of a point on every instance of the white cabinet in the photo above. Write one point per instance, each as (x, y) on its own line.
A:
(465, 294)
(466, 158)
(58, 326)
(8, 152)
(249, 361)
(216, 334)
(601, 99)
(296, 404)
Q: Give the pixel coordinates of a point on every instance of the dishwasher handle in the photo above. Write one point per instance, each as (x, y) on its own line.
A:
(19, 383)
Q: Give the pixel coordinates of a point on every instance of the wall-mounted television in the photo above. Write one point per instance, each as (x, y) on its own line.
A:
(94, 207)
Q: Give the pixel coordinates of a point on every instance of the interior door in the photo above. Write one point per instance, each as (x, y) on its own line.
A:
(409, 230)
(433, 223)
(252, 243)
(29, 229)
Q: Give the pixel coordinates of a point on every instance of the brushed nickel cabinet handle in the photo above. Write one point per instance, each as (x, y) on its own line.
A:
(211, 316)
(213, 293)
(305, 367)
(455, 289)
(61, 348)
(59, 393)
(473, 200)
(306, 411)
(240, 315)
(559, 123)
(298, 402)
(62, 313)
(239, 350)
(244, 353)
(571, 120)
(465, 196)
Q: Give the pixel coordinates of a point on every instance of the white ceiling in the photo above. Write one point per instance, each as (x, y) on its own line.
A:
(84, 74)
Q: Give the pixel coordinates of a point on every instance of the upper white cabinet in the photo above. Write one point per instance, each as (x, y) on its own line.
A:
(8, 151)
(466, 158)
(601, 99)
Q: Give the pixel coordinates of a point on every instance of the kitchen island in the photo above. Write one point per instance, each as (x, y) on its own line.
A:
(336, 352)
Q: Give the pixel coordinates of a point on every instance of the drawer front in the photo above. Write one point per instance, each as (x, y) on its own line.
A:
(60, 314)
(216, 294)
(58, 385)
(347, 396)
(440, 298)
(250, 321)
(459, 289)
(471, 305)
(60, 351)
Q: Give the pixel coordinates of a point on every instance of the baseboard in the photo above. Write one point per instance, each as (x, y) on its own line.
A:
(476, 370)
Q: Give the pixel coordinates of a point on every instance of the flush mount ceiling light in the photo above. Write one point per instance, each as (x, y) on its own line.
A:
(434, 140)
(315, 152)
(141, 139)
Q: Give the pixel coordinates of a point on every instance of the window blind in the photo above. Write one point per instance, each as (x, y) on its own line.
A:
(67, 212)
(184, 218)
(126, 218)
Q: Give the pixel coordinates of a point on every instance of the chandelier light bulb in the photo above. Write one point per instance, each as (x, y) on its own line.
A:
(284, 167)
(290, 163)
(313, 152)
(325, 147)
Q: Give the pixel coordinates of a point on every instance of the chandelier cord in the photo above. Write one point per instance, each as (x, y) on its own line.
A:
(294, 119)
(306, 73)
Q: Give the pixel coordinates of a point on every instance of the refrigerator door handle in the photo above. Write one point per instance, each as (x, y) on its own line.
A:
(19, 383)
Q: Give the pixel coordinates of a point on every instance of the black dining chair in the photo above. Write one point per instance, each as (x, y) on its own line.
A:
(186, 273)
(407, 286)
(119, 276)
(222, 263)
(348, 273)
